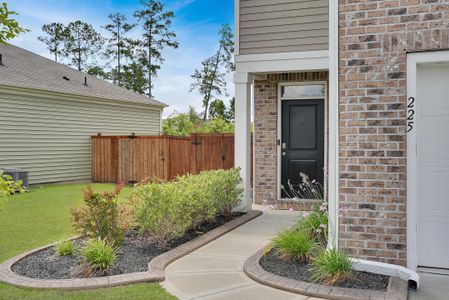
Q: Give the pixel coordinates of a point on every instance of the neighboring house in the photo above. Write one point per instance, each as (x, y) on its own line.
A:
(355, 94)
(48, 112)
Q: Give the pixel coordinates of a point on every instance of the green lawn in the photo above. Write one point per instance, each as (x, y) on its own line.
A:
(41, 217)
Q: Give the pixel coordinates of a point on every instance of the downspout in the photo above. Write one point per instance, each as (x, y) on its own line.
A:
(333, 125)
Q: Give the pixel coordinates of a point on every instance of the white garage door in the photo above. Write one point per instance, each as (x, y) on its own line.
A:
(432, 116)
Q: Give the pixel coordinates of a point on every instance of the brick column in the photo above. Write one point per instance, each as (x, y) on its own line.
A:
(374, 37)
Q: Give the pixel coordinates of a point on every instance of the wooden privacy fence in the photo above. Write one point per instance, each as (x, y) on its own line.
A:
(131, 159)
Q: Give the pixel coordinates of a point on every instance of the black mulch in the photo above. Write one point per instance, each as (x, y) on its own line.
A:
(301, 271)
(133, 255)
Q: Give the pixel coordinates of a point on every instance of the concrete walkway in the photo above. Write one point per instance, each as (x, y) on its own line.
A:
(215, 271)
(433, 287)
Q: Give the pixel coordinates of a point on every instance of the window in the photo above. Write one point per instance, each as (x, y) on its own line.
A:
(303, 91)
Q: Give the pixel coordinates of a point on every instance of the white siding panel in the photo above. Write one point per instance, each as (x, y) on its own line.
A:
(273, 26)
(50, 137)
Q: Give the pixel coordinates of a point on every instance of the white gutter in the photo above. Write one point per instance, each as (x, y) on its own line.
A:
(387, 269)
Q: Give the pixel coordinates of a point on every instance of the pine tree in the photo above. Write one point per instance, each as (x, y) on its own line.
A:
(156, 23)
(119, 45)
(210, 79)
(54, 38)
(82, 44)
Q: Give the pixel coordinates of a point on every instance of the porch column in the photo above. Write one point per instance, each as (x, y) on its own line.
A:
(243, 134)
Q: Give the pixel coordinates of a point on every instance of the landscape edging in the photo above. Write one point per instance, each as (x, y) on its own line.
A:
(155, 271)
(397, 288)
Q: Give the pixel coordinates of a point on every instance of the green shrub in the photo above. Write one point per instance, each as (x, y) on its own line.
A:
(199, 201)
(99, 254)
(294, 245)
(167, 210)
(331, 266)
(160, 210)
(99, 217)
(226, 188)
(65, 248)
(8, 186)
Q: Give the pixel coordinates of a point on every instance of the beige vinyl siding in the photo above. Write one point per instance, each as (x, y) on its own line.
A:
(273, 26)
(50, 136)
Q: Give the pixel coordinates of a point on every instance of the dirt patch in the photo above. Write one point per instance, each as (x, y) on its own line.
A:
(301, 271)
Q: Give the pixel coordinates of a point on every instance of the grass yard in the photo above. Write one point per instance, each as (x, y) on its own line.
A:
(41, 217)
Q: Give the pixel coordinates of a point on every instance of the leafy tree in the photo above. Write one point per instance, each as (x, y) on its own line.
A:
(217, 125)
(230, 112)
(209, 80)
(83, 42)
(157, 36)
(9, 28)
(119, 45)
(178, 125)
(54, 38)
(134, 78)
(99, 72)
(186, 123)
(217, 109)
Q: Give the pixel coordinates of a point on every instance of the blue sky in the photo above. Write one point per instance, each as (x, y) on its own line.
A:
(197, 23)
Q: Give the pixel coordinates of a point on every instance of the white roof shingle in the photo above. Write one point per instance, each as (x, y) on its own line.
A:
(25, 69)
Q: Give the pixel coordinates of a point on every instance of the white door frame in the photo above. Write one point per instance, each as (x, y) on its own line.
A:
(413, 104)
(279, 128)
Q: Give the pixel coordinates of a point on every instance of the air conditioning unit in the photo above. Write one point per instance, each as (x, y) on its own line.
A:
(17, 174)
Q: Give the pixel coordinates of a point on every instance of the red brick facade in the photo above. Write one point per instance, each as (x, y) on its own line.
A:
(374, 39)
(265, 134)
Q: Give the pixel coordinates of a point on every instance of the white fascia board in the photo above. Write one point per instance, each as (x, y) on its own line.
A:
(236, 27)
(283, 62)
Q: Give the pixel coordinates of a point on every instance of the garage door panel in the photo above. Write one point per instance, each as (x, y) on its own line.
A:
(433, 143)
(433, 248)
(434, 182)
(432, 112)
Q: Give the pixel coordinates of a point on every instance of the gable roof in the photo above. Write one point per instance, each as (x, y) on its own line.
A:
(25, 69)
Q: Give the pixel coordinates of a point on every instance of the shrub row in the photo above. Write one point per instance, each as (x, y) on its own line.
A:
(167, 210)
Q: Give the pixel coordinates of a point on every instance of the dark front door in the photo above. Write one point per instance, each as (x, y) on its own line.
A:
(302, 144)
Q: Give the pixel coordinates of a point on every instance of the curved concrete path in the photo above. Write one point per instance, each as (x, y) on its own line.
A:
(215, 271)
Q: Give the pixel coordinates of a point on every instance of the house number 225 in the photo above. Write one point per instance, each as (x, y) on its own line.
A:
(410, 114)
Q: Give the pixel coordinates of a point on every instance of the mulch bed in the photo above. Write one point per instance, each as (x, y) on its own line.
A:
(133, 255)
(301, 272)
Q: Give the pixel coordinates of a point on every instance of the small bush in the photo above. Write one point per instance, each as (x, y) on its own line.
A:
(198, 198)
(98, 218)
(8, 187)
(331, 266)
(294, 245)
(167, 210)
(65, 248)
(228, 190)
(126, 217)
(160, 211)
(99, 254)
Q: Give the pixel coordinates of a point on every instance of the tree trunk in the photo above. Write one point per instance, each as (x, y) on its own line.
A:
(79, 60)
(119, 75)
(209, 92)
(150, 35)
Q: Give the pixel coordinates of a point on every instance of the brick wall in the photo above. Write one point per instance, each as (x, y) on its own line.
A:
(374, 38)
(265, 133)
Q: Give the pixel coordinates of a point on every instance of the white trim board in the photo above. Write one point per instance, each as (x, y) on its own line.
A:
(279, 129)
(282, 62)
(236, 27)
(333, 171)
(413, 60)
